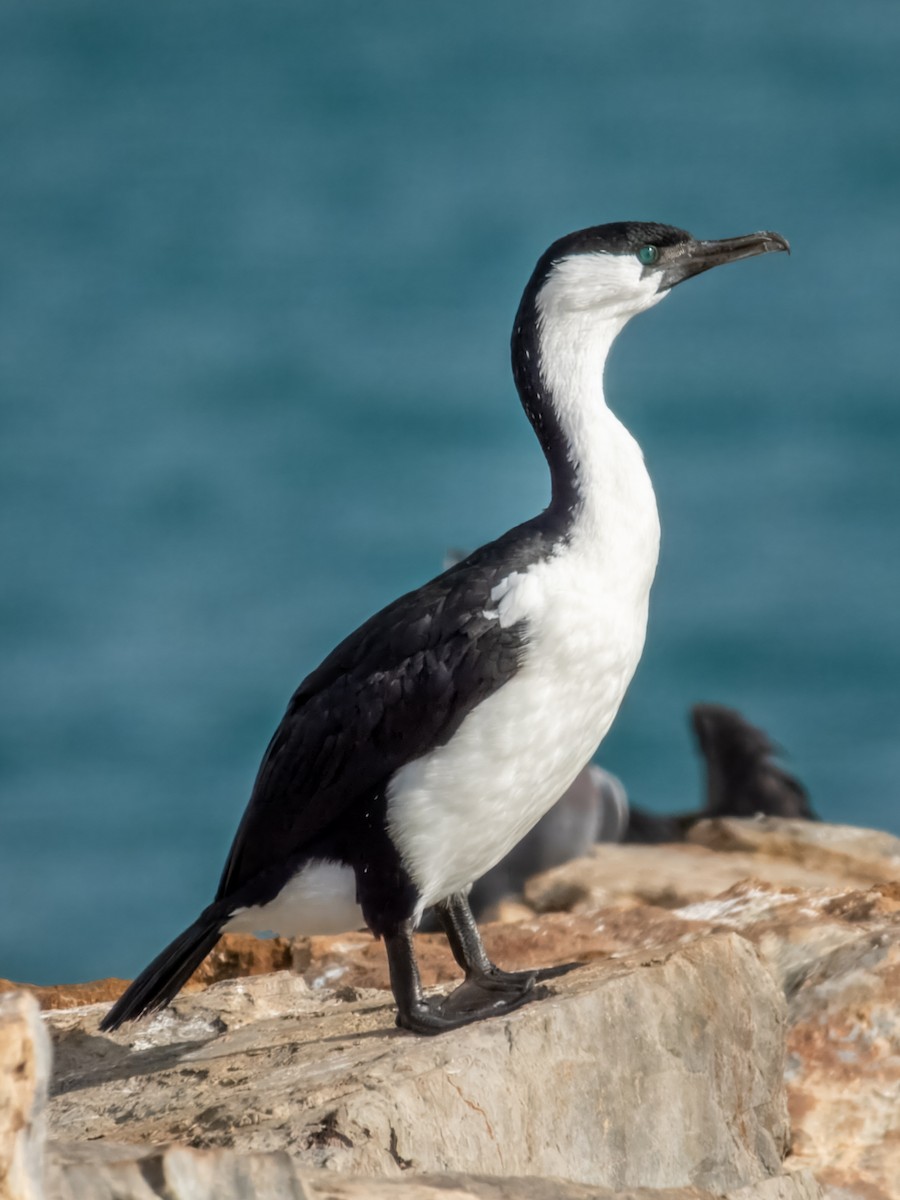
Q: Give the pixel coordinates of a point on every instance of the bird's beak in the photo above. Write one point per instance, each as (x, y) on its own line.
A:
(690, 258)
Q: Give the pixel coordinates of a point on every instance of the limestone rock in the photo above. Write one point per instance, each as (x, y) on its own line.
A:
(664, 1072)
(848, 853)
(68, 995)
(280, 1075)
(236, 956)
(670, 876)
(837, 958)
(24, 1073)
(834, 950)
(183, 1174)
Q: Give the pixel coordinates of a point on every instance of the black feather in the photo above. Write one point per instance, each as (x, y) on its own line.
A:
(161, 981)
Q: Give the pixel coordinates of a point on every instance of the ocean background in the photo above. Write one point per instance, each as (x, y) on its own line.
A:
(258, 268)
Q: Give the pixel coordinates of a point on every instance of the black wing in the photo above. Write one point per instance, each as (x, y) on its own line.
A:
(399, 685)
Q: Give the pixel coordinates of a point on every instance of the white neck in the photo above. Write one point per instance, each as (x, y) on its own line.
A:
(616, 508)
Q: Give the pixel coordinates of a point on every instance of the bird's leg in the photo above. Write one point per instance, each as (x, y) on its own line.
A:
(430, 1015)
(458, 923)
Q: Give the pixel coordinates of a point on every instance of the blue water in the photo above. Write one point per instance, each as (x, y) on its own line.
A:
(258, 268)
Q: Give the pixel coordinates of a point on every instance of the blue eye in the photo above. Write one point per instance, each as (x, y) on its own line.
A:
(648, 255)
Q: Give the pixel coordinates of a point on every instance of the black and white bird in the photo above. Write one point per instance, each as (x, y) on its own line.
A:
(429, 742)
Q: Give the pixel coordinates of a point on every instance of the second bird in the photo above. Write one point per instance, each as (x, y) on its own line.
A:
(432, 739)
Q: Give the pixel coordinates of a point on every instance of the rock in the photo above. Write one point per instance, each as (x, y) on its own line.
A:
(68, 995)
(668, 1031)
(837, 957)
(670, 876)
(834, 950)
(659, 1072)
(24, 1074)
(236, 956)
(177, 1173)
(847, 853)
(835, 954)
(182, 1174)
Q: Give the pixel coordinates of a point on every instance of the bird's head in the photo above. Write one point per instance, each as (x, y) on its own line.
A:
(616, 271)
(582, 292)
(723, 733)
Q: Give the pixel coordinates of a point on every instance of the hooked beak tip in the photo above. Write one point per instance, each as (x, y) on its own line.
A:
(778, 242)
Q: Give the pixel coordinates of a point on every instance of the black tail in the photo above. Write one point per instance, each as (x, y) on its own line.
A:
(161, 982)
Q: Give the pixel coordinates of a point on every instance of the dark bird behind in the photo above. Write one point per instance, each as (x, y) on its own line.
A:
(742, 780)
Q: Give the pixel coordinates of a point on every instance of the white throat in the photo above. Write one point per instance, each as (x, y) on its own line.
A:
(615, 502)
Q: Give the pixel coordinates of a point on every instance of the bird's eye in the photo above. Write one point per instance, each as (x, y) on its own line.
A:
(648, 255)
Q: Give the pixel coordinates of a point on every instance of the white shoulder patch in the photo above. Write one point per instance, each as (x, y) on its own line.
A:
(518, 597)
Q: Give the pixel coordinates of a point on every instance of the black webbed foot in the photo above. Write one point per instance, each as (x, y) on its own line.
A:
(457, 921)
(487, 991)
(497, 980)
(464, 1005)
(555, 972)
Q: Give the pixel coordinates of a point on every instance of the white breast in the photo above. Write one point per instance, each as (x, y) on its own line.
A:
(456, 811)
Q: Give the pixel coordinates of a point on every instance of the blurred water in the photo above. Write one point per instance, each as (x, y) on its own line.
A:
(259, 266)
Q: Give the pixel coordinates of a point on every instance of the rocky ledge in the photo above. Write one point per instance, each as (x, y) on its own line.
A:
(735, 1031)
